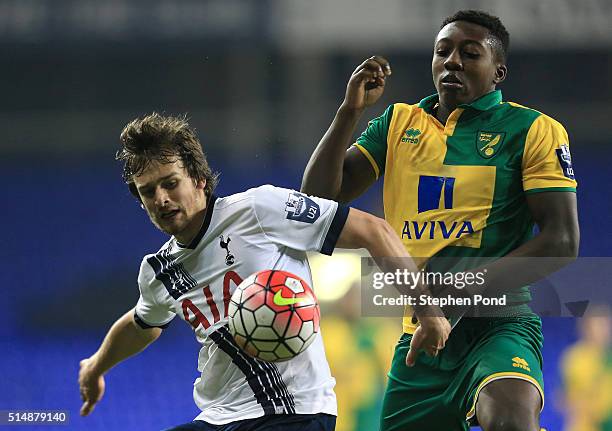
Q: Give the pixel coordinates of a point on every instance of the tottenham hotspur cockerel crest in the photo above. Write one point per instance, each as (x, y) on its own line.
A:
(229, 257)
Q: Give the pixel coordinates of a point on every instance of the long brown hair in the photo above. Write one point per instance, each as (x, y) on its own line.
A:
(163, 139)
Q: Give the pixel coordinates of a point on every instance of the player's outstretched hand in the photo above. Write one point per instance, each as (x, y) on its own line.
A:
(367, 83)
(91, 386)
(430, 336)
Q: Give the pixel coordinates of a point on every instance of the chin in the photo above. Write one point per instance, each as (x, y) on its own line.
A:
(458, 97)
(170, 229)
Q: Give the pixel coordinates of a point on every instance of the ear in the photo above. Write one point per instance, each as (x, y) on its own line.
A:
(501, 71)
(201, 184)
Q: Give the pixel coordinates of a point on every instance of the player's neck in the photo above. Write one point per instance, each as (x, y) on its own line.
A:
(442, 112)
(187, 235)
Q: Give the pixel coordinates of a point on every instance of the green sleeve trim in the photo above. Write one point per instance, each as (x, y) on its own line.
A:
(374, 138)
(551, 189)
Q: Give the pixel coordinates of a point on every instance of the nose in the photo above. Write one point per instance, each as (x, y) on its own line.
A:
(453, 61)
(161, 197)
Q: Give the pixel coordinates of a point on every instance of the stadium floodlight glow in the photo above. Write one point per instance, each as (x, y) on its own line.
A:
(334, 275)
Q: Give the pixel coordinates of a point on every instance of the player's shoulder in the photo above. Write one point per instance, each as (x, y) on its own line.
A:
(401, 114)
(405, 108)
(423, 107)
(256, 200)
(251, 196)
(146, 273)
(531, 116)
(165, 248)
(235, 200)
(398, 108)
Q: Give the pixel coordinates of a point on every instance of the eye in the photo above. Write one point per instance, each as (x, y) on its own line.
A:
(472, 54)
(170, 184)
(146, 193)
(441, 52)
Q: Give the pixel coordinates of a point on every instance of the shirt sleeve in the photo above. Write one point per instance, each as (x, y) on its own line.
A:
(373, 141)
(298, 221)
(547, 162)
(148, 313)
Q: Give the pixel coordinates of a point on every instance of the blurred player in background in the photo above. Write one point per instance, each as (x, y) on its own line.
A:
(466, 176)
(359, 350)
(215, 243)
(586, 368)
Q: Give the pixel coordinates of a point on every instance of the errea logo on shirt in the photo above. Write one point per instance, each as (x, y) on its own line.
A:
(520, 363)
(411, 136)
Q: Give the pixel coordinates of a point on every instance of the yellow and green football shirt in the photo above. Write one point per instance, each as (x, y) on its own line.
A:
(458, 190)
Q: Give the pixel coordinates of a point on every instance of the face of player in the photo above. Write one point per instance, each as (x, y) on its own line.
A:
(174, 201)
(597, 329)
(464, 65)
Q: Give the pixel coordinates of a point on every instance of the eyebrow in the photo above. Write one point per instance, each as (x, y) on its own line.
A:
(466, 42)
(147, 185)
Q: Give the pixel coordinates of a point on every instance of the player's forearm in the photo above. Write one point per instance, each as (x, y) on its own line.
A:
(324, 173)
(123, 340)
(552, 248)
(382, 242)
(390, 255)
(546, 253)
(561, 242)
(363, 230)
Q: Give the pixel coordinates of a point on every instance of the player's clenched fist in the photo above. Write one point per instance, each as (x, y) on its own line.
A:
(91, 386)
(367, 83)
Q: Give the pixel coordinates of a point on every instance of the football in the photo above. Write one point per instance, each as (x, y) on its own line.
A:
(273, 315)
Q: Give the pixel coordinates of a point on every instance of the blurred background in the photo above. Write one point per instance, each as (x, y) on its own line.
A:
(261, 81)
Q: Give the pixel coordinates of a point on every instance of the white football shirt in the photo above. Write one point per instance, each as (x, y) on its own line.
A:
(263, 228)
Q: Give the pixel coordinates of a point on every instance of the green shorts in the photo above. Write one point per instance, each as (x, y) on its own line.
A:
(440, 393)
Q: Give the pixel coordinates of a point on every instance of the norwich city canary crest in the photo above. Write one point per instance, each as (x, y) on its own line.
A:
(489, 143)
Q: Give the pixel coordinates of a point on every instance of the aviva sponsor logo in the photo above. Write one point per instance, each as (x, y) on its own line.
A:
(411, 135)
(436, 193)
(520, 363)
(435, 229)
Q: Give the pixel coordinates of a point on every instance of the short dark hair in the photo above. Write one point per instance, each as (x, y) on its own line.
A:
(490, 22)
(163, 139)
